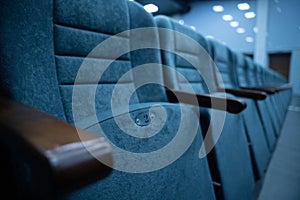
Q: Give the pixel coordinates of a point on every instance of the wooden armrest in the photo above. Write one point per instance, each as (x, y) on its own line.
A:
(62, 161)
(252, 94)
(268, 90)
(209, 101)
(278, 88)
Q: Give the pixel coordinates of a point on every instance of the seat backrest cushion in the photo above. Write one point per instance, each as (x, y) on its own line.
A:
(223, 58)
(44, 50)
(179, 45)
(28, 72)
(241, 67)
(251, 72)
(79, 26)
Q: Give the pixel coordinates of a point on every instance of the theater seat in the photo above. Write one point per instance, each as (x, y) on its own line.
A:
(278, 90)
(276, 98)
(224, 59)
(44, 66)
(267, 78)
(190, 71)
(276, 104)
(244, 81)
(271, 102)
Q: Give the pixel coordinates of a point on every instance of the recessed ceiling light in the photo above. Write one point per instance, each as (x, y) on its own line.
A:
(193, 27)
(255, 29)
(227, 17)
(181, 21)
(243, 6)
(250, 15)
(210, 36)
(240, 30)
(249, 39)
(234, 24)
(218, 8)
(151, 8)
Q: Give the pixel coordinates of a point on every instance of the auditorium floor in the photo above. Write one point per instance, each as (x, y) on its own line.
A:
(282, 180)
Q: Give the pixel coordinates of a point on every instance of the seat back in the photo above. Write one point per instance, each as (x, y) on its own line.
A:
(260, 75)
(200, 77)
(251, 72)
(223, 58)
(57, 42)
(246, 75)
(241, 70)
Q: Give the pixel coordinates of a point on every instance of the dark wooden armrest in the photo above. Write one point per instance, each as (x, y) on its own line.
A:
(55, 152)
(209, 101)
(252, 94)
(286, 86)
(268, 90)
(278, 88)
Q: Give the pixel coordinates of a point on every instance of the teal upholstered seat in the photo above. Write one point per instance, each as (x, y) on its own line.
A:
(224, 59)
(280, 99)
(245, 79)
(229, 160)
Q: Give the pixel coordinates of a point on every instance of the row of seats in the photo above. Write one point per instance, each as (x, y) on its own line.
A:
(233, 71)
(186, 116)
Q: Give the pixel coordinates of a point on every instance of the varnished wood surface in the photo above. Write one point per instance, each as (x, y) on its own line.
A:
(209, 101)
(61, 149)
(258, 95)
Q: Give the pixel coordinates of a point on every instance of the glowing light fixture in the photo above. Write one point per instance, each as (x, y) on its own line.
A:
(234, 24)
(255, 29)
(240, 30)
(227, 17)
(193, 27)
(210, 36)
(249, 39)
(181, 21)
(218, 8)
(243, 6)
(151, 8)
(250, 15)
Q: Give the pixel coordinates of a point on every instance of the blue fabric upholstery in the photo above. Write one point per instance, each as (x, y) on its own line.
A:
(187, 177)
(171, 182)
(230, 161)
(264, 113)
(28, 71)
(224, 60)
(274, 100)
(78, 28)
(176, 60)
(268, 103)
(281, 99)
